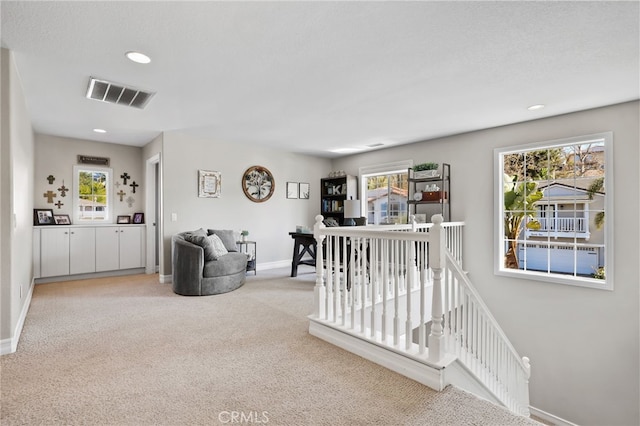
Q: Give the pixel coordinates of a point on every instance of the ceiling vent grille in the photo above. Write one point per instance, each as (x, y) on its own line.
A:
(115, 93)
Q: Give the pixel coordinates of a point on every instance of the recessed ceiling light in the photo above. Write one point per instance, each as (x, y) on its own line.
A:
(138, 57)
(99, 130)
(535, 107)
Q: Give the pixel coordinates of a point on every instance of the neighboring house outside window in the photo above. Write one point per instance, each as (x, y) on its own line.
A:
(552, 211)
(385, 188)
(387, 205)
(565, 215)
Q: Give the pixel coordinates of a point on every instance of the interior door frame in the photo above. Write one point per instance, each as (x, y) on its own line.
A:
(153, 190)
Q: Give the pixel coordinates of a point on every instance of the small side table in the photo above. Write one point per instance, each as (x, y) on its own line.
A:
(250, 248)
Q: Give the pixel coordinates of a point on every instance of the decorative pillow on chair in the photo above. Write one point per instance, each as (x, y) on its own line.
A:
(197, 233)
(212, 245)
(218, 247)
(227, 237)
(202, 241)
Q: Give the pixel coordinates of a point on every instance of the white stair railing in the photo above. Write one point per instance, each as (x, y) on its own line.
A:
(474, 336)
(383, 284)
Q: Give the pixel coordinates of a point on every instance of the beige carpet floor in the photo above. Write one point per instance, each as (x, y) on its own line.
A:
(127, 351)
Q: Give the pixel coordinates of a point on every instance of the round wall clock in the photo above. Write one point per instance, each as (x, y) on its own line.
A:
(258, 184)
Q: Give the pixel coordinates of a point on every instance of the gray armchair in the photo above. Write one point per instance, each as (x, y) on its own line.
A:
(195, 272)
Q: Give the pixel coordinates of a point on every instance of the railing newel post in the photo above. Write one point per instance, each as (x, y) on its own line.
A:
(319, 290)
(437, 261)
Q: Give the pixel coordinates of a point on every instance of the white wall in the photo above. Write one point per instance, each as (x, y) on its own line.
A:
(268, 223)
(583, 343)
(57, 155)
(16, 205)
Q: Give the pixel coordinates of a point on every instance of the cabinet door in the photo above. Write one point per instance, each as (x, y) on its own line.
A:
(82, 250)
(36, 253)
(131, 247)
(54, 252)
(107, 252)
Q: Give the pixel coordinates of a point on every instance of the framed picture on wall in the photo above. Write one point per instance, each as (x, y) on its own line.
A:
(303, 191)
(209, 184)
(292, 189)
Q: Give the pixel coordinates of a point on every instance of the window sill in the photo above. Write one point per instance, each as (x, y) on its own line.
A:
(557, 278)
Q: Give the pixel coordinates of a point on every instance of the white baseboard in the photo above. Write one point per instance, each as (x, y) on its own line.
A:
(166, 279)
(273, 265)
(116, 273)
(555, 420)
(10, 345)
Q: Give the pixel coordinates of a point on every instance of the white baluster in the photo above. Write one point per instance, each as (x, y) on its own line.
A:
(336, 275)
(422, 329)
(354, 305)
(447, 310)
(329, 271)
(373, 282)
(409, 261)
(385, 287)
(396, 290)
(345, 294)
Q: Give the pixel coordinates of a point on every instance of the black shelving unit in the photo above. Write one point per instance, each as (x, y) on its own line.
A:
(334, 191)
(430, 202)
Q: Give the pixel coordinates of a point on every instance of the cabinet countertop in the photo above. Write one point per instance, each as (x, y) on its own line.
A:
(86, 225)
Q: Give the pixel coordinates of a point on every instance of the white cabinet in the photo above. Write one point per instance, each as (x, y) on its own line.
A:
(131, 247)
(54, 252)
(119, 247)
(72, 250)
(107, 251)
(82, 250)
(65, 250)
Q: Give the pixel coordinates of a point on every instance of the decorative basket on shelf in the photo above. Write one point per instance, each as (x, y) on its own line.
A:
(425, 170)
(434, 195)
(426, 174)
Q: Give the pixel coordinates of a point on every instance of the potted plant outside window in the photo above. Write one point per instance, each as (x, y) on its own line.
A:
(425, 170)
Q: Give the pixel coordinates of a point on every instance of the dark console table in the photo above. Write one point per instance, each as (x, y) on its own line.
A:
(303, 243)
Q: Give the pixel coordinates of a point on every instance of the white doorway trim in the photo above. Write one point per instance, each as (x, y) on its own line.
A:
(153, 191)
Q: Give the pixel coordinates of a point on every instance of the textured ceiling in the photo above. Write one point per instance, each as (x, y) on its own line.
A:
(314, 76)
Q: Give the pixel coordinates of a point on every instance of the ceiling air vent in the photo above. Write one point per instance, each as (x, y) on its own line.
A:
(115, 93)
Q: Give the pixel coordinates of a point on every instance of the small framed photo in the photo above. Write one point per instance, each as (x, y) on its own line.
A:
(292, 189)
(43, 217)
(138, 218)
(209, 184)
(62, 219)
(303, 191)
(124, 219)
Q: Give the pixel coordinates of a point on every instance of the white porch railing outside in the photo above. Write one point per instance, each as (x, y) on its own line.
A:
(384, 284)
(564, 224)
(560, 227)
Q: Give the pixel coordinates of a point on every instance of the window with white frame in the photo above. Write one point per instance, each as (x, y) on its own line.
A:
(552, 222)
(385, 189)
(92, 194)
